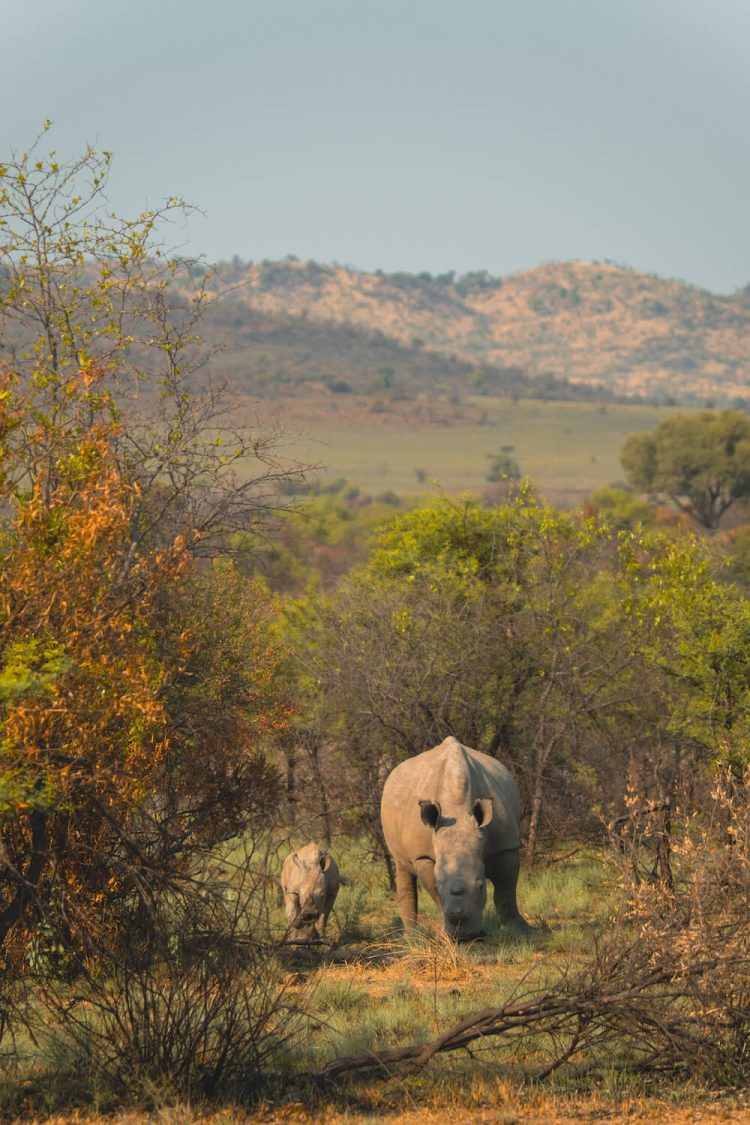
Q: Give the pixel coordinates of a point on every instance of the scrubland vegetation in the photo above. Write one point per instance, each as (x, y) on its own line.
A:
(205, 659)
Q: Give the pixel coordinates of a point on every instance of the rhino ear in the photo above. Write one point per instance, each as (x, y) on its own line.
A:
(295, 858)
(430, 813)
(325, 861)
(483, 811)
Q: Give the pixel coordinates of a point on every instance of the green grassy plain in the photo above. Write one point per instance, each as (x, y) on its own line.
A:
(568, 449)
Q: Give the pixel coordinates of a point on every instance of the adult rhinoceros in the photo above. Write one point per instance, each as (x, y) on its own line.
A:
(450, 818)
(310, 881)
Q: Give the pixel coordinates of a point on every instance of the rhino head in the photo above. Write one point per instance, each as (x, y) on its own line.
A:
(458, 846)
(311, 887)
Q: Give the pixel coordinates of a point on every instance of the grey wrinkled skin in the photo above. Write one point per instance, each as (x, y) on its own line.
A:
(310, 882)
(450, 819)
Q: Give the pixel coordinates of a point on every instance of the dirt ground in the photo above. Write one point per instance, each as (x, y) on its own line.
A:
(543, 1113)
(543, 1110)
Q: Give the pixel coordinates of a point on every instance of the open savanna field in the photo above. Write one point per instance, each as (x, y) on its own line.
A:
(568, 449)
(370, 987)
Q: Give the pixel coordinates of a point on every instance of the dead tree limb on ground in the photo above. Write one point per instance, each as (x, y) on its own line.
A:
(627, 1003)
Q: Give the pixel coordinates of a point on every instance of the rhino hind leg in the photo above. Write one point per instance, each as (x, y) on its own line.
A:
(406, 896)
(502, 871)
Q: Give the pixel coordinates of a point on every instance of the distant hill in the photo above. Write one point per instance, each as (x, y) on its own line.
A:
(601, 326)
(275, 355)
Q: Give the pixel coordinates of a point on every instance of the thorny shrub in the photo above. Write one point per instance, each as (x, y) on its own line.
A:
(691, 910)
(193, 1008)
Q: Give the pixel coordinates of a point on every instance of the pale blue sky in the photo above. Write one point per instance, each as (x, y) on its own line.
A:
(409, 134)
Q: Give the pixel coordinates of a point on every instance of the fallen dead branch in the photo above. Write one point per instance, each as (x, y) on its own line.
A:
(652, 1016)
(491, 1021)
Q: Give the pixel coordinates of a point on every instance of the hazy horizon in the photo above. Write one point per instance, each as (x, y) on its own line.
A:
(412, 135)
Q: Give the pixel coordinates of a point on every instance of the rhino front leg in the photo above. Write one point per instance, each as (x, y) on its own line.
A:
(319, 927)
(322, 921)
(291, 907)
(502, 871)
(406, 896)
(426, 876)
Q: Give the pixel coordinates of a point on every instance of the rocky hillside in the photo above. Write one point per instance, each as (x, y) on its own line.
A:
(631, 333)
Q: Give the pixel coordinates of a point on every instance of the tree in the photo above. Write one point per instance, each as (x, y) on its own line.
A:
(135, 695)
(138, 690)
(78, 283)
(511, 628)
(700, 461)
(694, 634)
(316, 542)
(588, 659)
(503, 467)
(620, 508)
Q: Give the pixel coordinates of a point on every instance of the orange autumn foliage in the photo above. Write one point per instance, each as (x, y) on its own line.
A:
(102, 663)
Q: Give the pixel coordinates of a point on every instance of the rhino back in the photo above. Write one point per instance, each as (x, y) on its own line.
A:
(454, 776)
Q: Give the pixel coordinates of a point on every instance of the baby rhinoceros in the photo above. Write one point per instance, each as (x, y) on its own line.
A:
(310, 881)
